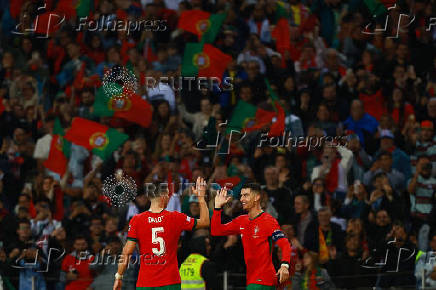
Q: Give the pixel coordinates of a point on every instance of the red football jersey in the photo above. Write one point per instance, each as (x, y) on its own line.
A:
(157, 235)
(258, 236)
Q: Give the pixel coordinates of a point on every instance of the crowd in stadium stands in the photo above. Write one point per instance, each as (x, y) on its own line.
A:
(362, 210)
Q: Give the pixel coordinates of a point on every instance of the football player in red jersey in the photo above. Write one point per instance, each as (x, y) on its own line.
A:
(258, 231)
(157, 233)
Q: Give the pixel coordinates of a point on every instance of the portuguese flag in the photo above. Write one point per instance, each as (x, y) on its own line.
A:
(204, 60)
(278, 120)
(60, 151)
(129, 106)
(203, 24)
(243, 114)
(101, 140)
(247, 117)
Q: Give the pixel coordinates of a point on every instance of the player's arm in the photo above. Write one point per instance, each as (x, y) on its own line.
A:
(200, 192)
(279, 239)
(128, 250)
(217, 228)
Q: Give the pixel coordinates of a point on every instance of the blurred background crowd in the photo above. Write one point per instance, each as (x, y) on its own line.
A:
(345, 74)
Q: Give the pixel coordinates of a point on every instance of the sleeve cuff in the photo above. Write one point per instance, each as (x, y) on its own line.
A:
(286, 263)
(132, 239)
(218, 208)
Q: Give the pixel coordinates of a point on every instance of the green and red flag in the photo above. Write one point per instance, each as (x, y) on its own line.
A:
(60, 151)
(128, 106)
(378, 8)
(201, 23)
(281, 11)
(247, 117)
(101, 140)
(204, 60)
(84, 7)
(278, 121)
(243, 115)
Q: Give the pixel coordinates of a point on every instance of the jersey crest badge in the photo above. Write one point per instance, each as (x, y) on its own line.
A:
(256, 230)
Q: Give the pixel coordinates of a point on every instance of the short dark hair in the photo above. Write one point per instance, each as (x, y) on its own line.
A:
(156, 189)
(80, 237)
(385, 153)
(378, 175)
(96, 217)
(254, 187)
(24, 221)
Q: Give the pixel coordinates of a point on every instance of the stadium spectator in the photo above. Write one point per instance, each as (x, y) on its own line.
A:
(309, 274)
(306, 226)
(76, 265)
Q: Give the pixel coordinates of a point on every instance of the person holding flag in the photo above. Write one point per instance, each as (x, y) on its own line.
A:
(258, 231)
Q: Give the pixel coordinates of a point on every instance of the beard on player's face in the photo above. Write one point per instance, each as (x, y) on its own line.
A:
(248, 202)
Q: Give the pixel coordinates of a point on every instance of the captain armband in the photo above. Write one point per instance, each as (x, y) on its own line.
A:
(276, 235)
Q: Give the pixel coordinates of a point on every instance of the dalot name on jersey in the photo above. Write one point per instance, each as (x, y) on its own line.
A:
(155, 220)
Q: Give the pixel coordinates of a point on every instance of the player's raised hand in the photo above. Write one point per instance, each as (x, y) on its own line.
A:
(221, 198)
(283, 274)
(200, 188)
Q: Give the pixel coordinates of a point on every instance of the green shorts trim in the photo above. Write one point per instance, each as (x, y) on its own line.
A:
(260, 287)
(168, 287)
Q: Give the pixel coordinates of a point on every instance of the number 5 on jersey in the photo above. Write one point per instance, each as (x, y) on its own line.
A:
(157, 240)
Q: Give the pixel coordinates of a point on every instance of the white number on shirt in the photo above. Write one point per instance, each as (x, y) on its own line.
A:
(157, 240)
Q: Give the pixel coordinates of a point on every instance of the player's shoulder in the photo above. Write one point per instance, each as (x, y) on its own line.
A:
(267, 217)
(140, 216)
(242, 217)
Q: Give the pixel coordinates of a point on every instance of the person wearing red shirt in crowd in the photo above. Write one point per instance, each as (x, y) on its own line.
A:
(76, 265)
(398, 109)
(258, 231)
(157, 233)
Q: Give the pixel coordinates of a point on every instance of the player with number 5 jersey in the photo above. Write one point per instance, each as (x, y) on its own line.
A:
(157, 232)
